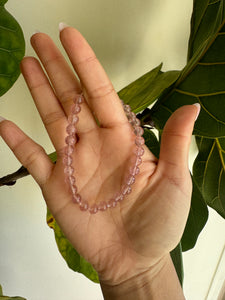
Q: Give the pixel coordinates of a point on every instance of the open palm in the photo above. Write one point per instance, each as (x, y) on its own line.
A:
(132, 237)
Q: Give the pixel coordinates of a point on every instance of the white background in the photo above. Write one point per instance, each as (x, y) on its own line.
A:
(130, 37)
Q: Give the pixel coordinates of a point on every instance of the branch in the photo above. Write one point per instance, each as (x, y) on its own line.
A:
(12, 178)
(22, 172)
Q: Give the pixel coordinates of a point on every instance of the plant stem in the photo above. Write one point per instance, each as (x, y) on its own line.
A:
(12, 178)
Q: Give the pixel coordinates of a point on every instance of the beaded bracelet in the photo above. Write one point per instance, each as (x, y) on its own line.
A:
(71, 140)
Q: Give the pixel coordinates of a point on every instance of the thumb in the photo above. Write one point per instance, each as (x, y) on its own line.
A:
(175, 142)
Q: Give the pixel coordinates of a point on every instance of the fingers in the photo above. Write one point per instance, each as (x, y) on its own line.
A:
(46, 102)
(98, 89)
(175, 143)
(31, 155)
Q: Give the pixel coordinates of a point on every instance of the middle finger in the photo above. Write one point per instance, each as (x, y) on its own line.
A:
(63, 79)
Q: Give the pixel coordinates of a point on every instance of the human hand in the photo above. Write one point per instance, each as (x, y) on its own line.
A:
(137, 235)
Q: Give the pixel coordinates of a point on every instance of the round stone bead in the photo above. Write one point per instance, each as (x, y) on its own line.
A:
(127, 108)
(71, 140)
(73, 119)
(119, 197)
(76, 109)
(102, 206)
(139, 131)
(138, 161)
(67, 160)
(73, 189)
(139, 151)
(111, 203)
(69, 150)
(126, 190)
(138, 122)
(68, 170)
(139, 141)
(130, 180)
(76, 198)
(134, 171)
(93, 209)
(71, 129)
(80, 99)
(84, 205)
(72, 180)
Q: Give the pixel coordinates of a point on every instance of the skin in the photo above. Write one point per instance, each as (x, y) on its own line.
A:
(129, 245)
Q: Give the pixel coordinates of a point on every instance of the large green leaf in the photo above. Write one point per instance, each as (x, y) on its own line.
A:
(9, 298)
(209, 172)
(12, 48)
(206, 18)
(71, 256)
(197, 218)
(202, 80)
(177, 258)
(146, 89)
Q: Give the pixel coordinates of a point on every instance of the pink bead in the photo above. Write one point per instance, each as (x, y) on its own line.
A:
(130, 180)
(102, 206)
(134, 171)
(71, 140)
(76, 198)
(76, 109)
(119, 198)
(139, 131)
(69, 170)
(138, 161)
(84, 205)
(137, 122)
(126, 190)
(93, 209)
(131, 117)
(67, 160)
(70, 129)
(139, 141)
(73, 119)
(111, 203)
(127, 108)
(71, 180)
(69, 150)
(80, 99)
(139, 151)
(73, 189)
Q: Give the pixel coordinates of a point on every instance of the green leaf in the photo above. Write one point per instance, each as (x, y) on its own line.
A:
(197, 219)
(9, 298)
(71, 256)
(151, 142)
(2, 2)
(177, 258)
(204, 23)
(12, 49)
(145, 90)
(203, 79)
(53, 156)
(209, 172)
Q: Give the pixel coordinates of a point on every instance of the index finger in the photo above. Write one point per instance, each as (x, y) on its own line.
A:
(98, 89)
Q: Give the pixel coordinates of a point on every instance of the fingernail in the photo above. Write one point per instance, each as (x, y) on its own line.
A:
(2, 119)
(36, 31)
(62, 26)
(198, 110)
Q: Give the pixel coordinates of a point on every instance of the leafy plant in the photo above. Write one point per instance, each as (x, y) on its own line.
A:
(12, 48)
(202, 80)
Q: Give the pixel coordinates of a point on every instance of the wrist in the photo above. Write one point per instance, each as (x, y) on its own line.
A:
(159, 282)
